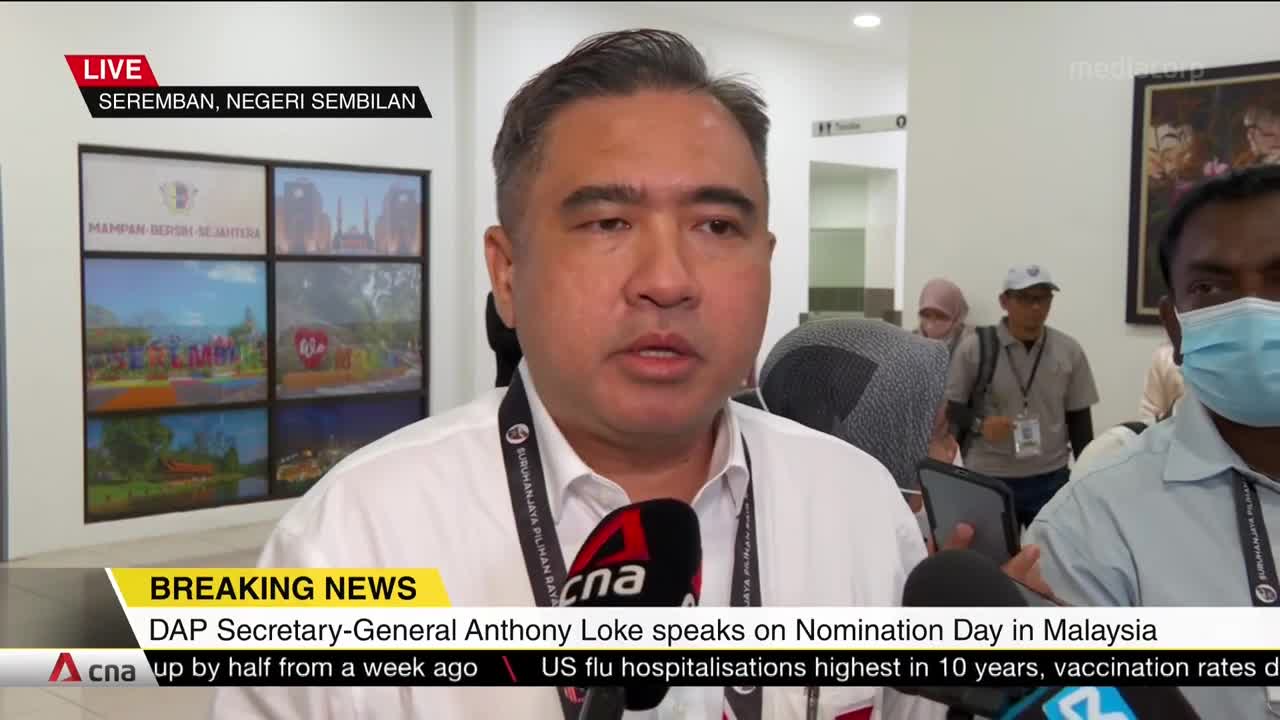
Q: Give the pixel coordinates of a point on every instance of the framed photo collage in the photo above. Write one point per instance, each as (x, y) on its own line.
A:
(247, 324)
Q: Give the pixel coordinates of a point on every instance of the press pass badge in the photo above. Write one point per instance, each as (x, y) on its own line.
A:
(1026, 436)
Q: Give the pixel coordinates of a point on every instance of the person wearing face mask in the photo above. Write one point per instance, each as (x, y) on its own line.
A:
(943, 312)
(1180, 515)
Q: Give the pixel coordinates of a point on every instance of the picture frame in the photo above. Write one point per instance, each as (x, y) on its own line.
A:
(139, 464)
(152, 203)
(328, 211)
(311, 438)
(127, 290)
(347, 328)
(1189, 126)
(173, 333)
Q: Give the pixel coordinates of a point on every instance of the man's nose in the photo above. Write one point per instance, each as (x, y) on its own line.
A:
(665, 273)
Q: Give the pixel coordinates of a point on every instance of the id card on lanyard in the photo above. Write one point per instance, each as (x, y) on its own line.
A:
(544, 560)
(1259, 562)
(1026, 426)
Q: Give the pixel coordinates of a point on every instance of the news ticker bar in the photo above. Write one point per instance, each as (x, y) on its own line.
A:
(256, 101)
(495, 668)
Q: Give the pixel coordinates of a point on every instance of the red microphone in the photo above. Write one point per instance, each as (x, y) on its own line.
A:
(644, 555)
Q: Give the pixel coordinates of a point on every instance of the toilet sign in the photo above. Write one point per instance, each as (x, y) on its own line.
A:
(856, 126)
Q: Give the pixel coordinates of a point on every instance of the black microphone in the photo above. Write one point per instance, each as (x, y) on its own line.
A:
(964, 578)
(644, 555)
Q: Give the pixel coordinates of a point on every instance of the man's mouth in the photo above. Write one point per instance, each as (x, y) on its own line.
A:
(664, 346)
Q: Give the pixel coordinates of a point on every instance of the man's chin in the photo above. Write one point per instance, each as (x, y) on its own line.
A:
(656, 418)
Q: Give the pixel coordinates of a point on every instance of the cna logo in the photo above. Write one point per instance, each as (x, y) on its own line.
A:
(517, 433)
(97, 672)
(65, 663)
(179, 197)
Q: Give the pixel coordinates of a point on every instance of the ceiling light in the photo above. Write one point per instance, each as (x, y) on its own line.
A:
(867, 21)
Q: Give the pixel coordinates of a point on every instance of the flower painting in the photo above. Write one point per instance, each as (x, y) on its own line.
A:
(1189, 127)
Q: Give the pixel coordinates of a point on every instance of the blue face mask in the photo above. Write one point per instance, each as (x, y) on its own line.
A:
(1231, 358)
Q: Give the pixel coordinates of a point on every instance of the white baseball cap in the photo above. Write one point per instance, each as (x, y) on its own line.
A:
(1021, 277)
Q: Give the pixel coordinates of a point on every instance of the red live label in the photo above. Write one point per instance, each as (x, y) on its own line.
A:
(111, 71)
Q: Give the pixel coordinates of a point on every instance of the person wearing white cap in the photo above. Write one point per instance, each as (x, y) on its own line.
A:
(1021, 394)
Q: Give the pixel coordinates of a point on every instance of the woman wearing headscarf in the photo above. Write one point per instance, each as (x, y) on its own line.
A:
(943, 312)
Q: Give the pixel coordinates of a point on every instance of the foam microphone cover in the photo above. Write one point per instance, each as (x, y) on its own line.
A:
(869, 383)
(644, 555)
(960, 578)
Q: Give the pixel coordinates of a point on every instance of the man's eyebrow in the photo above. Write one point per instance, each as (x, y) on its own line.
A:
(611, 193)
(722, 195)
(1212, 267)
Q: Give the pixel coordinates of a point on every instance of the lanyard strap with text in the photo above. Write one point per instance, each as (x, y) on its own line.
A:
(1259, 563)
(544, 560)
(1035, 367)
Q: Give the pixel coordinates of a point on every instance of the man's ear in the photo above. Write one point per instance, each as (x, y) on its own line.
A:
(1004, 301)
(499, 257)
(1173, 328)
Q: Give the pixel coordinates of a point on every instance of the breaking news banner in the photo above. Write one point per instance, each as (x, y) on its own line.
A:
(124, 86)
(362, 627)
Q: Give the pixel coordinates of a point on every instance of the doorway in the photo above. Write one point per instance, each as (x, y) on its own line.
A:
(852, 240)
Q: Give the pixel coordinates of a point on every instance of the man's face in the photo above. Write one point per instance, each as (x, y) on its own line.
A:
(1262, 128)
(1028, 310)
(639, 280)
(1228, 251)
(1168, 149)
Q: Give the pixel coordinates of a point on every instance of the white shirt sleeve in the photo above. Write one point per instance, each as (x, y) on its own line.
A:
(285, 550)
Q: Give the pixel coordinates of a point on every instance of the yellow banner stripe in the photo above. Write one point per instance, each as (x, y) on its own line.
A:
(270, 587)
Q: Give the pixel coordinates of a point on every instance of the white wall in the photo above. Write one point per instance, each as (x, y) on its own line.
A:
(837, 203)
(849, 86)
(882, 231)
(1013, 159)
(286, 44)
(519, 39)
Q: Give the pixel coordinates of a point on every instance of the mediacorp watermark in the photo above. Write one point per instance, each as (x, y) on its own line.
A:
(1127, 68)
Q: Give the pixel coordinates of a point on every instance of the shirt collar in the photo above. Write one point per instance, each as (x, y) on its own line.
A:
(1007, 339)
(563, 467)
(1196, 449)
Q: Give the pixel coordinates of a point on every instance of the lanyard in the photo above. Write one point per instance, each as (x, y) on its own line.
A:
(1035, 367)
(545, 563)
(1259, 563)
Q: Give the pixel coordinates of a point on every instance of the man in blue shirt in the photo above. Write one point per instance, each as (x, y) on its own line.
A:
(1179, 516)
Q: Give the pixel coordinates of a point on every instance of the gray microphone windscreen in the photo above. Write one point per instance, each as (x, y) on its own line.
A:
(869, 383)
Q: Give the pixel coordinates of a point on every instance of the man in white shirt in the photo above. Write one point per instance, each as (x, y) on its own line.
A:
(633, 260)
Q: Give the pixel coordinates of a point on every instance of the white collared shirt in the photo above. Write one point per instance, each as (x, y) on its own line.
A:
(832, 530)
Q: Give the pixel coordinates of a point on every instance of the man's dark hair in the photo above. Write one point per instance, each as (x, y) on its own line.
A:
(610, 65)
(1237, 185)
